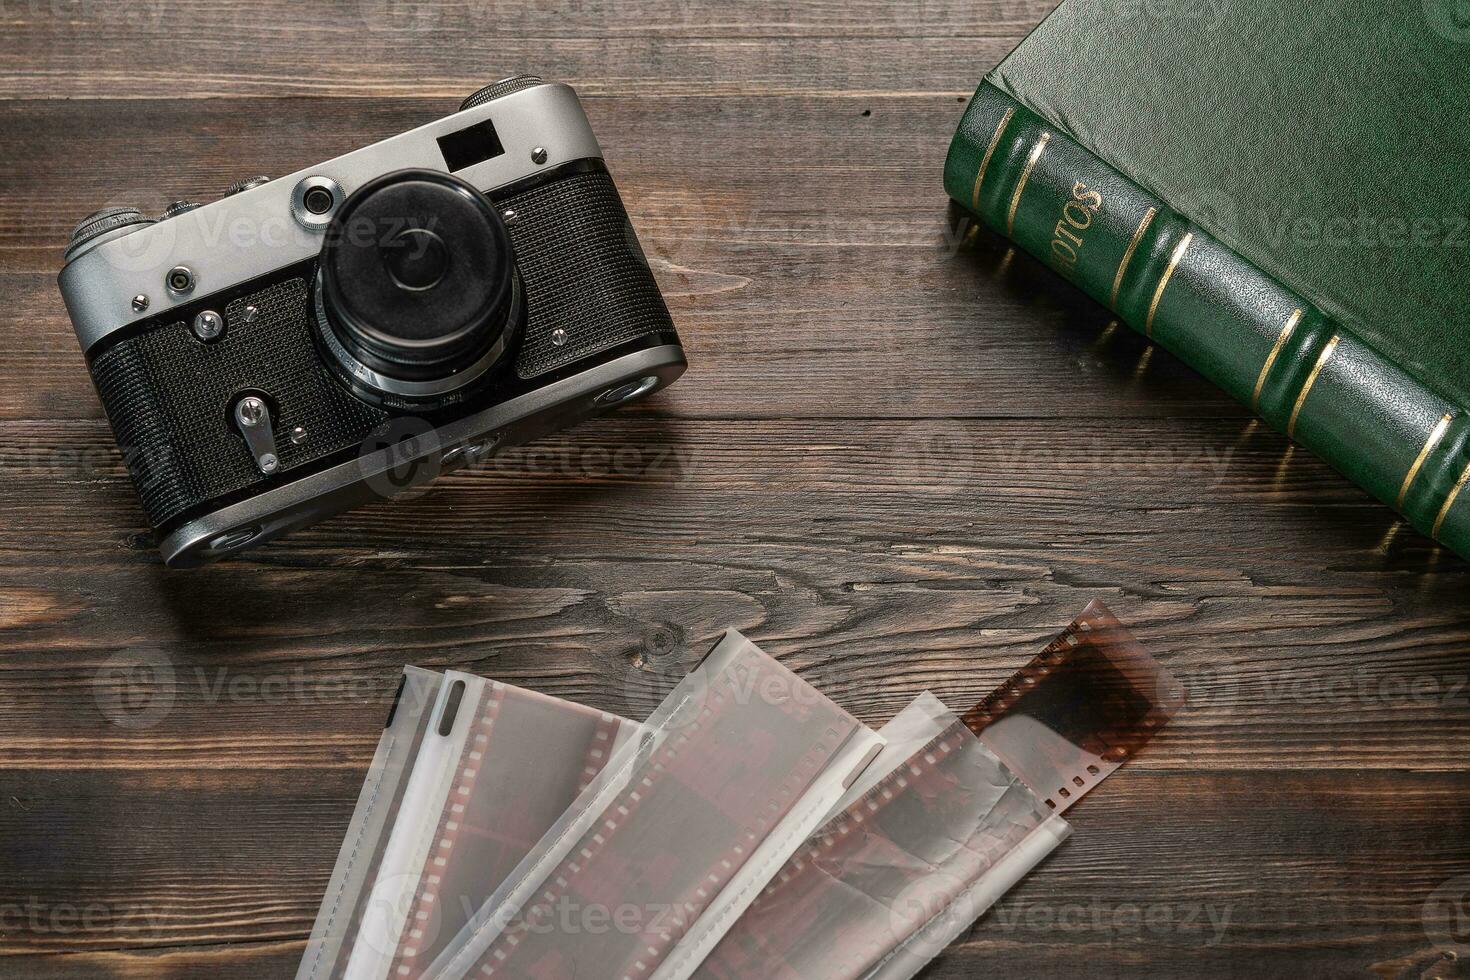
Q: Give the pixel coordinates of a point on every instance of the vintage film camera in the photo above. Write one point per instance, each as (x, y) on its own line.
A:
(299, 346)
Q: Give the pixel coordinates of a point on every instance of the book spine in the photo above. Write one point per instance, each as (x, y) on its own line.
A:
(1169, 279)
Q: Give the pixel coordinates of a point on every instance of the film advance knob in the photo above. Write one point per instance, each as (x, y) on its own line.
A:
(179, 207)
(100, 223)
(245, 184)
(500, 89)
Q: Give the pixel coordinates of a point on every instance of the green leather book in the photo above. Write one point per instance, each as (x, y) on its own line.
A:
(1279, 193)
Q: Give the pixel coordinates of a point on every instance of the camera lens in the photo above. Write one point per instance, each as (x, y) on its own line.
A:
(418, 286)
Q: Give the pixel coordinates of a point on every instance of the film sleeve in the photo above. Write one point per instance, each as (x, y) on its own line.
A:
(490, 768)
(665, 850)
(382, 795)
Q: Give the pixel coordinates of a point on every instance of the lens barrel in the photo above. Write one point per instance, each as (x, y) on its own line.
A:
(418, 281)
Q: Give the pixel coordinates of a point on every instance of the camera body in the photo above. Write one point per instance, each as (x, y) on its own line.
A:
(295, 348)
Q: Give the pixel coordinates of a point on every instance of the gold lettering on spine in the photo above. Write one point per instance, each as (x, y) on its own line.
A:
(1174, 260)
(1148, 219)
(1077, 215)
(1005, 121)
(1434, 438)
(1036, 153)
(1444, 511)
(1301, 399)
(1286, 332)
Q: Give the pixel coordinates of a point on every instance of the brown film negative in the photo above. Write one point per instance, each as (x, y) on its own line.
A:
(1088, 703)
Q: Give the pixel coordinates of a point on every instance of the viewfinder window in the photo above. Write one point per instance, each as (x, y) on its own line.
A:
(468, 147)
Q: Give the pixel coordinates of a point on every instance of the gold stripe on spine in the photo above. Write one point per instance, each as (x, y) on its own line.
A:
(1036, 152)
(1301, 399)
(1005, 121)
(1148, 219)
(1434, 438)
(1174, 260)
(1286, 331)
(1444, 511)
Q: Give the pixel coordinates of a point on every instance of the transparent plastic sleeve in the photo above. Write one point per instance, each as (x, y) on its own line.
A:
(680, 832)
(944, 826)
(494, 768)
(383, 791)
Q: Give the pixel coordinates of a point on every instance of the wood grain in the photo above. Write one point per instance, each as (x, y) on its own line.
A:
(898, 464)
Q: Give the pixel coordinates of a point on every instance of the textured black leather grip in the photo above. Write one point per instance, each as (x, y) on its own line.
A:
(585, 273)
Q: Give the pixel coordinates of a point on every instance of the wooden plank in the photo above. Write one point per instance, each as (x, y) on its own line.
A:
(171, 50)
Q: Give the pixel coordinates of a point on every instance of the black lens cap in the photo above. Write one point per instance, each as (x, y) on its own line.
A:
(417, 274)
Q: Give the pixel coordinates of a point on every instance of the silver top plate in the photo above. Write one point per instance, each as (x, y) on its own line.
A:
(253, 233)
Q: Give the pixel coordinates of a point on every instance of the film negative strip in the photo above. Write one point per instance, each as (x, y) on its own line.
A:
(527, 758)
(874, 876)
(1088, 703)
(660, 857)
(945, 831)
(382, 796)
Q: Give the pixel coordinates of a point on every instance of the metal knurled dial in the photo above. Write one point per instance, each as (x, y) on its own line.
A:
(500, 89)
(245, 184)
(102, 222)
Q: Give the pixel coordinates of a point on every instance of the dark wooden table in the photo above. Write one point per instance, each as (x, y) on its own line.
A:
(897, 464)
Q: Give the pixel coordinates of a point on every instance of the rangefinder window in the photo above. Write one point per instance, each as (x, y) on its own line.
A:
(470, 146)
